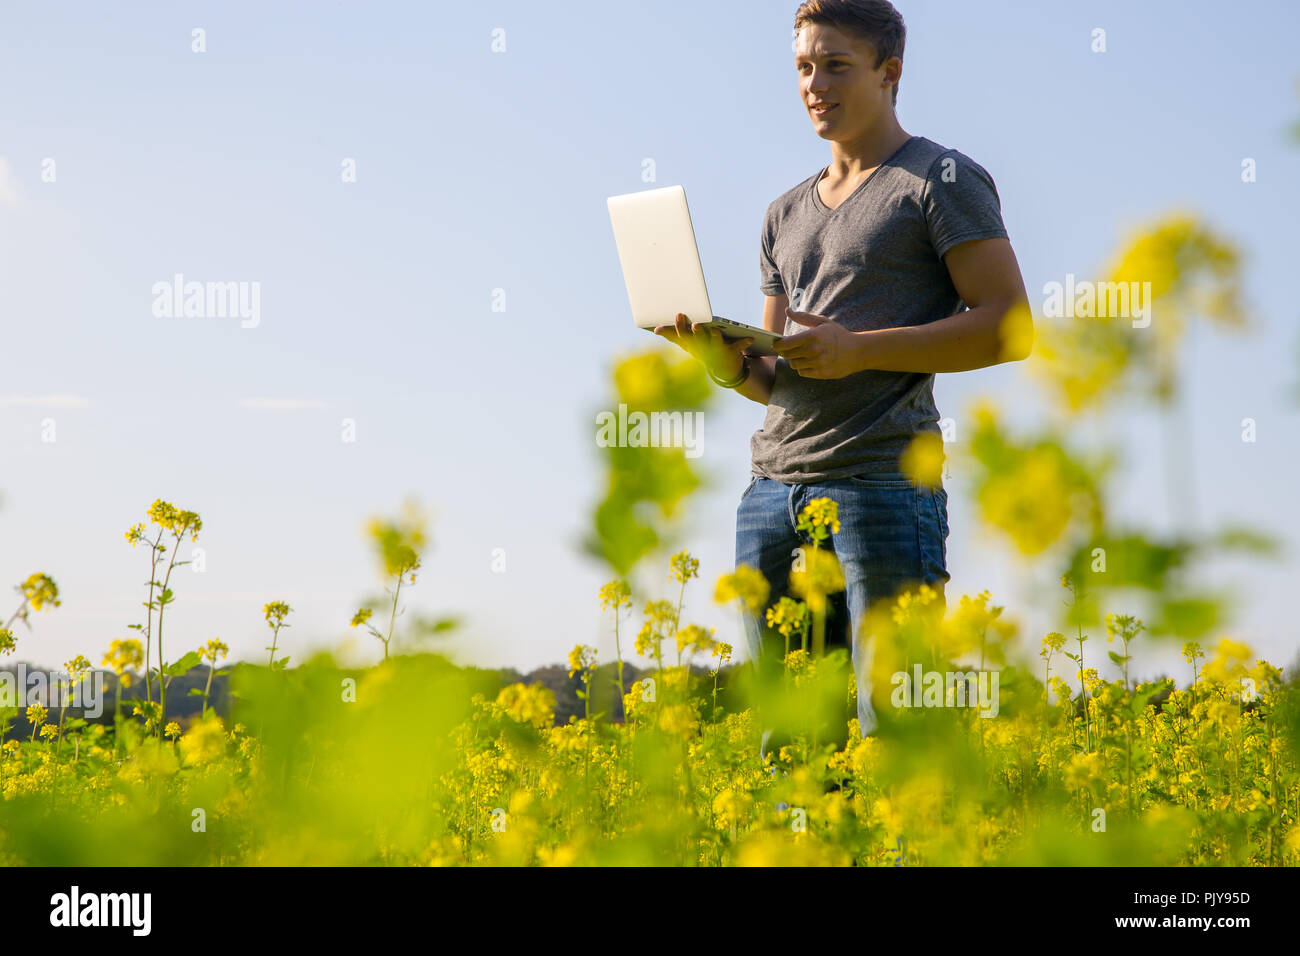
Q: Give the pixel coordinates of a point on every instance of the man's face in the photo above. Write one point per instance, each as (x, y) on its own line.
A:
(838, 69)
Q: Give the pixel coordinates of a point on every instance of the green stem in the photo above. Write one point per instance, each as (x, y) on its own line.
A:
(162, 684)
(618, 653)
(392, 618)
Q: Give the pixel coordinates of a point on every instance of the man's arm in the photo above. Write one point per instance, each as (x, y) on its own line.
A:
(762, 370)
(998, 328)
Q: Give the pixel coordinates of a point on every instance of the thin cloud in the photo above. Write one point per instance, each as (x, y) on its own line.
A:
(56, 401)
(281, 404)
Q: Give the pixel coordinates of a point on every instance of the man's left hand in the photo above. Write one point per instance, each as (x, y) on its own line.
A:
(826, 350)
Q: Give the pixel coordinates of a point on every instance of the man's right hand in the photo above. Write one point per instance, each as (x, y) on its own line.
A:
(708, 345)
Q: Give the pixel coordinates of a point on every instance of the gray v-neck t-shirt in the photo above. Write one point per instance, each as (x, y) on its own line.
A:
(873, 262)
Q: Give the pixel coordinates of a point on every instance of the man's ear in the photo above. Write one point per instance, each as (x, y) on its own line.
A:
(893, 70)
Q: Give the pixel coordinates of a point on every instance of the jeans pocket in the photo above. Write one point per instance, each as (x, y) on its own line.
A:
(750, 487)
(940, 498)
(870, 481)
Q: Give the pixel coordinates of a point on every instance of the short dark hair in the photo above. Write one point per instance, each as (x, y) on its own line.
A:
(875, 21)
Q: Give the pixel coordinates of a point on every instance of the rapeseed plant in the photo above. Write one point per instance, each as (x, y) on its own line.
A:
(431, 764)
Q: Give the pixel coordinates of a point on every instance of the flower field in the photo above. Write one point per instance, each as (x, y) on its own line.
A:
(418, 760)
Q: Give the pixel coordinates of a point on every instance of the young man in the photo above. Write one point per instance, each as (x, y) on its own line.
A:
(867, 267)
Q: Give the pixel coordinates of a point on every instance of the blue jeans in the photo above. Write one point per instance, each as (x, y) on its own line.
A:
(892, 534)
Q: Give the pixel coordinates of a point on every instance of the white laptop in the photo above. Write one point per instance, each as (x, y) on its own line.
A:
(661, 265)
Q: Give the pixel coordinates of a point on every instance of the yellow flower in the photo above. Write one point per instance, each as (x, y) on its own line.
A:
(682, 567)
(1080, 359)
(399, 541)
(1293, 840)
(694, 636)
(652, 380)
(203, 742)
(634, 701)
(1064, 692)
(529, 704)
(276, 612)
(77, 668)
(782, 848)
(922, 460)
(818, 515)
(659, 616)
(40, 590)
(1228, 663)
(121, 655)
(746, 584)
(1083, 769)
(678, 720)
(798, 661)
(213, 651)
(820, 577)
(1031, 499)
(582, 658)
(170, 518)
(570, 738)
(788, 616)
(731, 807)
(676, 679)
(565, 854)
(616, 594)
(647, 641)
(1052, 642)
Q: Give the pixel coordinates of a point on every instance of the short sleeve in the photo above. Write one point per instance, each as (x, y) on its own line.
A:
(960, 203)
(770, 277)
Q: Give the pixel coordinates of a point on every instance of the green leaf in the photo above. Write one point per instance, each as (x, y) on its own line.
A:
(441, 625)
(1189, 618)
(195, 692)
(1239, 538)
(1119, 661)
(182, 666)
(1140, 700)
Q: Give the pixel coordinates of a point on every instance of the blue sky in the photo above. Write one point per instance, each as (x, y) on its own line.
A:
(478, 171)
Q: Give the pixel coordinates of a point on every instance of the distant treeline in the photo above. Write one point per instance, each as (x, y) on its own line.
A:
(182, 706)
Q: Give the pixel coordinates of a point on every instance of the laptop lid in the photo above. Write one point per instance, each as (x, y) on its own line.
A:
(659, 256)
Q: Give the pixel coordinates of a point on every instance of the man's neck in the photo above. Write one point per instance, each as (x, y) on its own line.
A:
(866, 152)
